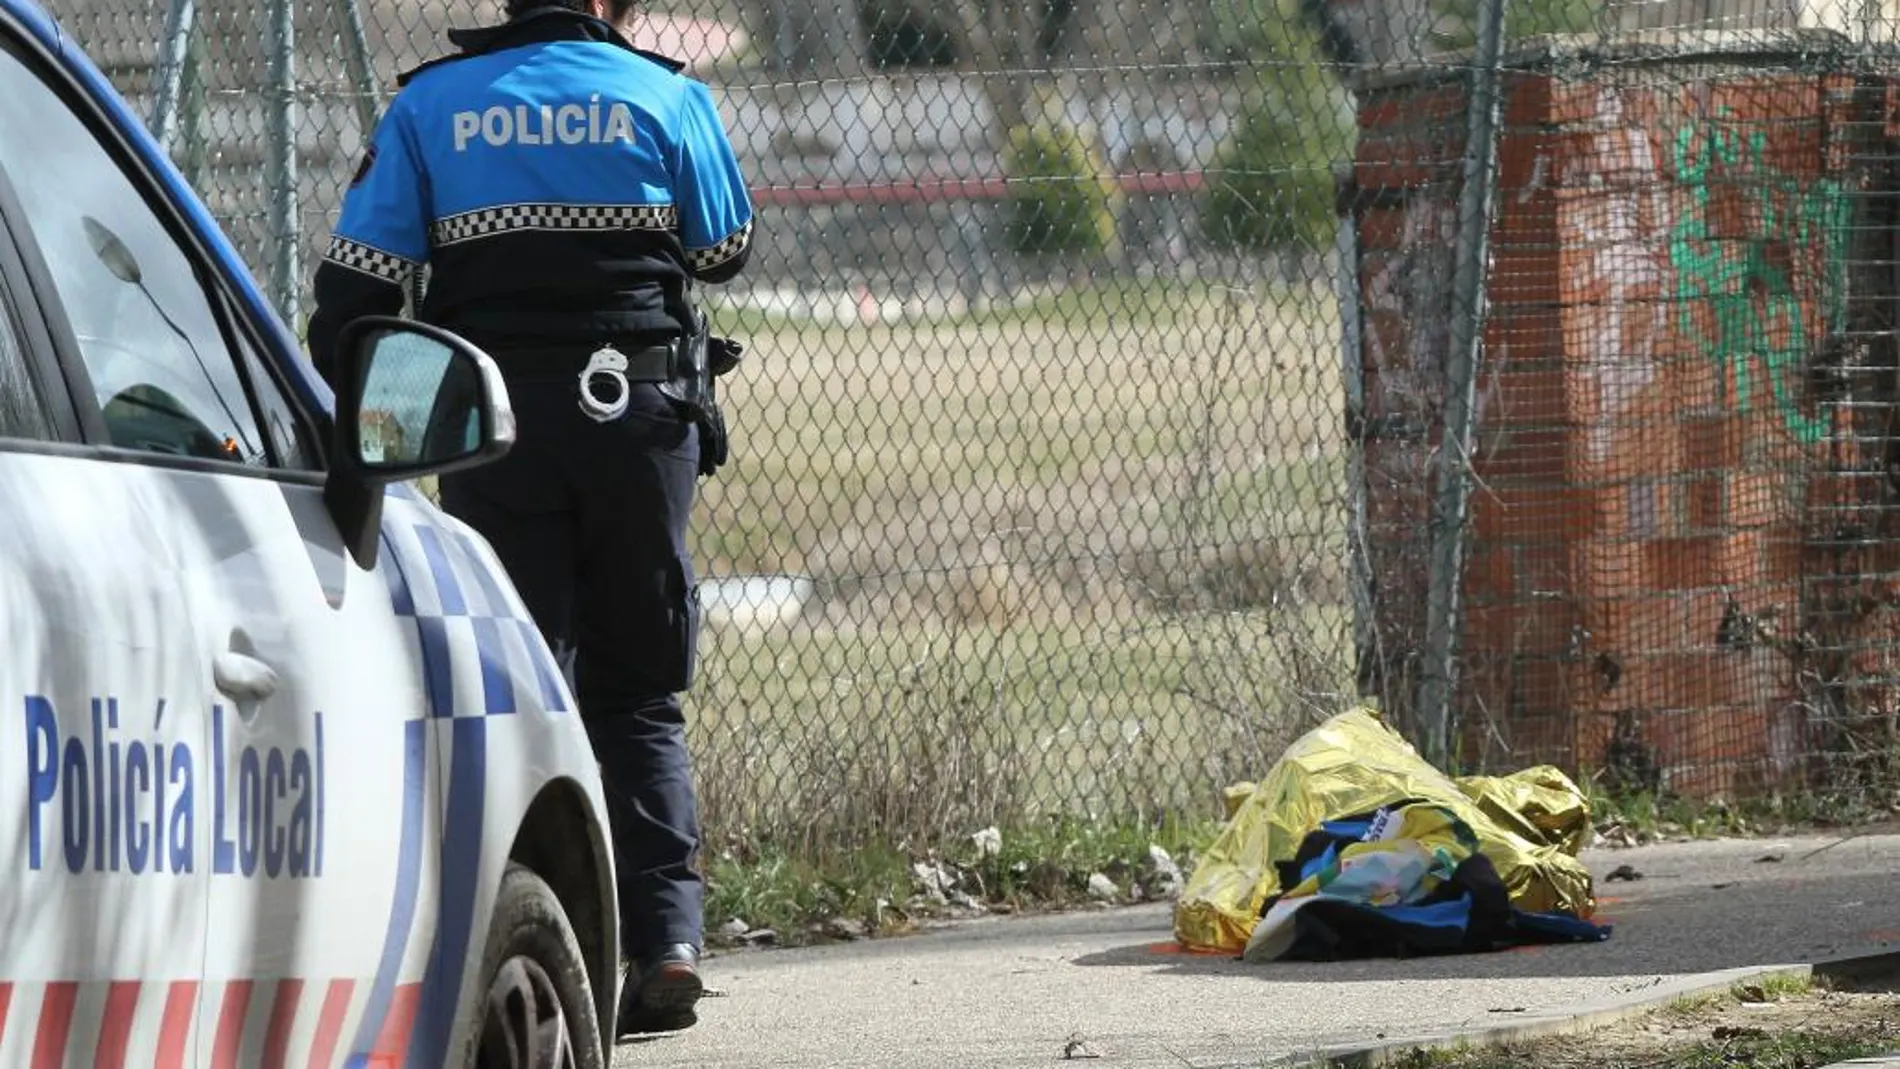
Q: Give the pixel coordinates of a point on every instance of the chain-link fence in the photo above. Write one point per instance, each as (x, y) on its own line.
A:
(1131, 384)
(1666, 427)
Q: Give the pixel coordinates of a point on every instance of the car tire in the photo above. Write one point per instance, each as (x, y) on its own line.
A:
(534, 1005)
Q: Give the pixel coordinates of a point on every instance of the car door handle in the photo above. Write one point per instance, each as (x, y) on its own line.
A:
(243, 677)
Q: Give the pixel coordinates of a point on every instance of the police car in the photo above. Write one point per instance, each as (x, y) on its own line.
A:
(287, 775)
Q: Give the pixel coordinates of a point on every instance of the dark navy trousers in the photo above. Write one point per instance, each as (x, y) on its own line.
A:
(590, 520)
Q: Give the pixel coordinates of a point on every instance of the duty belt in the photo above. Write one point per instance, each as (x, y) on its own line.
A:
(562, 361)
(603, 373)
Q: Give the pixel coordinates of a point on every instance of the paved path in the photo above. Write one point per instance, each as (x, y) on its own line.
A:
(1014, 992)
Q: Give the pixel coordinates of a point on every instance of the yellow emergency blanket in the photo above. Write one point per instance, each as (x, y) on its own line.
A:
(1530, 825)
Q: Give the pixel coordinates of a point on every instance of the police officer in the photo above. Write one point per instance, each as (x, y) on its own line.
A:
(565, 190)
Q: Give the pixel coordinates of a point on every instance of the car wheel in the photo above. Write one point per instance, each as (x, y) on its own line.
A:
(537, 1005)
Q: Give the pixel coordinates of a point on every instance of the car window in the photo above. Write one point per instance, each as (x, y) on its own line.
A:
(164, 375)
(288, 434)
(22, 412)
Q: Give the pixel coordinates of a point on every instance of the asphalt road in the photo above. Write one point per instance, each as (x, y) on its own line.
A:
(1016, 992)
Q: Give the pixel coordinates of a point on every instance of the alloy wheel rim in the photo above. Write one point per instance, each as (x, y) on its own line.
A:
(523, 1025)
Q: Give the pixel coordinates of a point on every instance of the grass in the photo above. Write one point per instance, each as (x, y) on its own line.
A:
(1767, 989)
(1078, 565)
(1643, 816)
(1793, 1051)
(1784, 1022)
(1777, 1052)
(1083, 553)
(922, 733)
(830, 763)
(863, 450)
(1144, 303)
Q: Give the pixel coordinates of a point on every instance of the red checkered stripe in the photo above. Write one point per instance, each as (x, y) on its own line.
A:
(131, 1024)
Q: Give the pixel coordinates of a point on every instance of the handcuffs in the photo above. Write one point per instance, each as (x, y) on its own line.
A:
(610, 364)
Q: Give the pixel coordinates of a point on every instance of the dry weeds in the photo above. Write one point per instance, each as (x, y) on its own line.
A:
(1764, 1029)
(1088, 558)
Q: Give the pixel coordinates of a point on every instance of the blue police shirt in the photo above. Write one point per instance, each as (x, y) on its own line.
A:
(558, 183)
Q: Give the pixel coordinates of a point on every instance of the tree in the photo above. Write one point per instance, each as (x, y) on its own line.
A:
(1271, 187)
(1061, 203)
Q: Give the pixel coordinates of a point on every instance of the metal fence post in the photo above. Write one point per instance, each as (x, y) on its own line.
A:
(1353, 376)
(1443, 610)
(284, 223)
(369, 101)
(176, 48)
(191, 123)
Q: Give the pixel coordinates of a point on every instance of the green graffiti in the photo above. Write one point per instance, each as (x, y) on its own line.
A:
(1745, 279)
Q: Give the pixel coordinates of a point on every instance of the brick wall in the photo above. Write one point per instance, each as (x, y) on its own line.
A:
(1679, 251)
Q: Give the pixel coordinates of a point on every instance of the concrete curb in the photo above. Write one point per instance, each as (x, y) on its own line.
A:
(1593, 1015)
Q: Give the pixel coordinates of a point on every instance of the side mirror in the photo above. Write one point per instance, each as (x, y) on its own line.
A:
(412, 399)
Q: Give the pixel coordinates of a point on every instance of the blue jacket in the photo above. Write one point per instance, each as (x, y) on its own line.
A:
(559, 183)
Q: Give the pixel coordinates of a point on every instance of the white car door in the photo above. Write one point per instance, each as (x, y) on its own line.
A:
(316, 801)
(324, 880)
(103, 719)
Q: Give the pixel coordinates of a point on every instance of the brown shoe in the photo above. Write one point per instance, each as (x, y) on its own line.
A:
(660, 993)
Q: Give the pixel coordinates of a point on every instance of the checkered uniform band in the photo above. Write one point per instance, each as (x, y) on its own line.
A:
(733, 244)
(369, 260)
(488, 222)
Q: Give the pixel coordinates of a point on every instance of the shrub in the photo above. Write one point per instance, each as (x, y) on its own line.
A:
(1271, 188)
(1061, 201)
